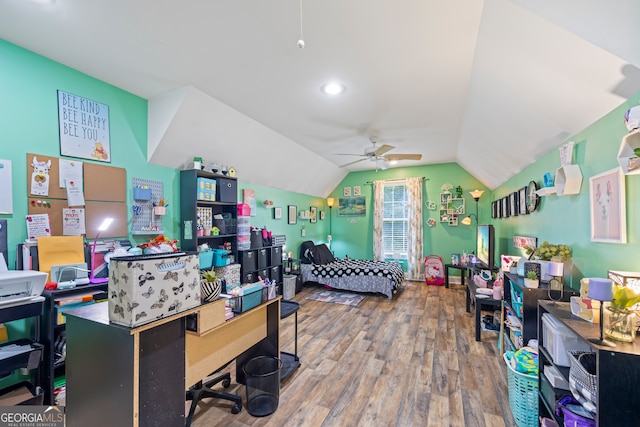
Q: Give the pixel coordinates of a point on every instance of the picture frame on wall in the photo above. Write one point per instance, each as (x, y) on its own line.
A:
(505, 207)
(607, 206)
(514, 202)
(293, 214)
(352, 206)
(277, 213)
(522, 201)
(356, 190)
(346, 191)
(313, 217)
(321, 215)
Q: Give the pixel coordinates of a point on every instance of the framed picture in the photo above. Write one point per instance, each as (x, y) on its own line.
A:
(356, 190)
(313, 217)
(352, 206)
(514, 199)
(505, 207)
(321, 215)
(608, 208)
(346, 192)
(522, 200)
(293, 214)
(277, 213)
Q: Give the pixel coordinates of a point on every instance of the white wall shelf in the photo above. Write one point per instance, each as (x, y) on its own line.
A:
(628, 160)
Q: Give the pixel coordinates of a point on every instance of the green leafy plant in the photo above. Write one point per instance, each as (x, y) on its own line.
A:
(531, 275)
(624, 297)
(209, 275)
(514, 264)
(547, 250)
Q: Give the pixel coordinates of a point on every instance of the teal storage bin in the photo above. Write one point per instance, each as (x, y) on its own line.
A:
(220, 257)
(206, 260)
(252, 298)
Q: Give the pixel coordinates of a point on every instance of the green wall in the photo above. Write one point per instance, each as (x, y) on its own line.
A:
(264, 216)
(566, 219)
(353, 236)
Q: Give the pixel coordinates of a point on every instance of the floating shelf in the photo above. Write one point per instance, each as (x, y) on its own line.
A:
(628, 160)
(568, 180)
(546, 191)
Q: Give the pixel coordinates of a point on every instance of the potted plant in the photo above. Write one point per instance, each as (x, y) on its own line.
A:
(513, 267)
(545, 252)
(531, 281)
(210, 285)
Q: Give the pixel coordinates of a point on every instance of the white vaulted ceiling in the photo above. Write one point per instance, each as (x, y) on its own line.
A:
(489, 84)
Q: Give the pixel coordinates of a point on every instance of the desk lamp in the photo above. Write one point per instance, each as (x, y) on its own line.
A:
(96, 280)
(601, 290)
(330, 202)
(556, 270)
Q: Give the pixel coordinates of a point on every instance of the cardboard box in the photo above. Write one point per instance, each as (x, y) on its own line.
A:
(149, 287)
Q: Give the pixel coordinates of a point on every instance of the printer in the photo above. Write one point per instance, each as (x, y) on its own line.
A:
(20, 285)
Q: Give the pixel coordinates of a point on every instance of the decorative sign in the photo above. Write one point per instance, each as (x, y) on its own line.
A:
(84, 128)
(73, 222)
(37, 226)
(520, 242)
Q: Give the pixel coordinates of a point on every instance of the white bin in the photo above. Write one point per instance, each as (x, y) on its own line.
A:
(288, 286)
(557, 339)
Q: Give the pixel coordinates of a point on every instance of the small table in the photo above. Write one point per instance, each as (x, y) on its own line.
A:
(462, 269)
(479, 303)
(290, 362)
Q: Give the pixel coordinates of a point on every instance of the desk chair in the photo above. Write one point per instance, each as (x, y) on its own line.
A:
(203, 389)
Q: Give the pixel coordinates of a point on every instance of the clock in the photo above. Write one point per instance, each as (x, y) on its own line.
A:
(533, 200)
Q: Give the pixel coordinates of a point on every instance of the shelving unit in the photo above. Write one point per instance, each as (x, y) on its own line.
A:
(53, 331)
(529, 303)
(617, 372)
(265, 262)
(226, 203)
(31, 359)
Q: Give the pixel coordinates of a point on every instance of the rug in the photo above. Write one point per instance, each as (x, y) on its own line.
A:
(337, 297)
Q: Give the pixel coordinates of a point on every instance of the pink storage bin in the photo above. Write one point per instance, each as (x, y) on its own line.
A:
(243, 209)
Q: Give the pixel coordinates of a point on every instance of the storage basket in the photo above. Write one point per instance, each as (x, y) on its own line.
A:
(582, 383)
(246, 302)
(523, 396)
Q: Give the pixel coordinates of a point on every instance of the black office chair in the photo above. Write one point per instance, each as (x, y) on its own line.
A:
(203, 389)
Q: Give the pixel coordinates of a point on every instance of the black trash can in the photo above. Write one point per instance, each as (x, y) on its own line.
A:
(262, 376)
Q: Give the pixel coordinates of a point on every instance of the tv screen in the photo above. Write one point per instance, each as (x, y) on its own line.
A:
(485, 245)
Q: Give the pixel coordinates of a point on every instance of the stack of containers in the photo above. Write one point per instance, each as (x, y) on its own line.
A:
(244, 229)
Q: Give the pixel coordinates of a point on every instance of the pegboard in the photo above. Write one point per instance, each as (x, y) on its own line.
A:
(144, 220)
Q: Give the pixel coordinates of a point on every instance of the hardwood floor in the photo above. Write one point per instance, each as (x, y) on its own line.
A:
(410, 361)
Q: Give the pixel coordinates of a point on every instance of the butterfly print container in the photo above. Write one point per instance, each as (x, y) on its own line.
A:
(149, 287)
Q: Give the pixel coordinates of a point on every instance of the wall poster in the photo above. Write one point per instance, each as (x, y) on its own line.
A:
(84, 128)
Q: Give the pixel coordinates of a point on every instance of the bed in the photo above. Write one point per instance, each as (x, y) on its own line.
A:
(317, 264)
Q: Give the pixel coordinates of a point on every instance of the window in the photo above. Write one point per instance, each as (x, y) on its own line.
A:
(395, 221)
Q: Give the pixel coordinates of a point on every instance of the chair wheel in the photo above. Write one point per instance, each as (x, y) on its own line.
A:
(236, 408)
(226, 383)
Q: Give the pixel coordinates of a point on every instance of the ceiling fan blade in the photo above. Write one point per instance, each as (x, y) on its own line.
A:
(390, 157)
(349, 164)
(350, 154)
(383, 149)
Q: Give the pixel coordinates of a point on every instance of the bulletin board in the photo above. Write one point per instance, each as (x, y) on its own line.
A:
(105, 194)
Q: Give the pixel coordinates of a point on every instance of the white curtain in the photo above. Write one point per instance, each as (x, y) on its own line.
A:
(378, 214)
(414, 235)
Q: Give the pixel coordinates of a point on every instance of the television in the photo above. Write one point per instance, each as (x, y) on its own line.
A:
(485, 245)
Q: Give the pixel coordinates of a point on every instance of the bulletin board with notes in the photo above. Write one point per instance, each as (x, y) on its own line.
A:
(62, 188)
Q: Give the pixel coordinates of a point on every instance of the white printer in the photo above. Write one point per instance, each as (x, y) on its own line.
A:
(20, 285)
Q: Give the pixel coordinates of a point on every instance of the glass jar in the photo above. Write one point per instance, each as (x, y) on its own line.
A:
(620, 325)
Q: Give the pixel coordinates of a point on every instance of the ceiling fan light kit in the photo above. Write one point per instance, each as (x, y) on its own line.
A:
(378, 155)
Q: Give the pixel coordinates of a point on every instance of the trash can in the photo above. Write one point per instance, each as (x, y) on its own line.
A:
(288, 286)
(262, 376)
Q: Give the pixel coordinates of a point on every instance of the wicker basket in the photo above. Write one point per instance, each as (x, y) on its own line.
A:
(582, 383)
(523, 396)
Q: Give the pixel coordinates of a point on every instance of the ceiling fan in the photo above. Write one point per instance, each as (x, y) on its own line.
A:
(378, 154)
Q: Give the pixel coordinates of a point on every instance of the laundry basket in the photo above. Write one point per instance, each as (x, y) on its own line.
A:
(523, 396)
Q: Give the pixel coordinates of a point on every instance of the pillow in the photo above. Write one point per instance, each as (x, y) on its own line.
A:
(306, 256)
(322, 255)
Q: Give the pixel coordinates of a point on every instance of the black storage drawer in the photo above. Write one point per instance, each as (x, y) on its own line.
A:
(248, 261)
(264, 274)
(226, 190)
(263, 258)
(250, 277)
(275, 273)
(276, 255)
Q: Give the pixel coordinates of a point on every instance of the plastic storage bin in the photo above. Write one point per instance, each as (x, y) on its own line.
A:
(262, 375)
(251, 298)
(205, 259)
(557, 339)
(523, 396)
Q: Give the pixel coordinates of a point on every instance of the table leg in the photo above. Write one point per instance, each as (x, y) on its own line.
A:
(446, 276)
(467, 297)
(478, 319)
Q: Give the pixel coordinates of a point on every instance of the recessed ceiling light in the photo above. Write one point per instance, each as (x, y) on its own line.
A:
(332, 88)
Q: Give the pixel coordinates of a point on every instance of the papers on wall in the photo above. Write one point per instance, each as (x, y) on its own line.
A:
(73, 223)
(75, 197)
(6, 193)
(69, 170)
(40, 177)
(38, 226)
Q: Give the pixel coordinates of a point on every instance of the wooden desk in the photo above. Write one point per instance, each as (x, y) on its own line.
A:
(138, 376)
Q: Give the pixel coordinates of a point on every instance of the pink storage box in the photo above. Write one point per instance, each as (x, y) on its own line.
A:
(243, 209)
